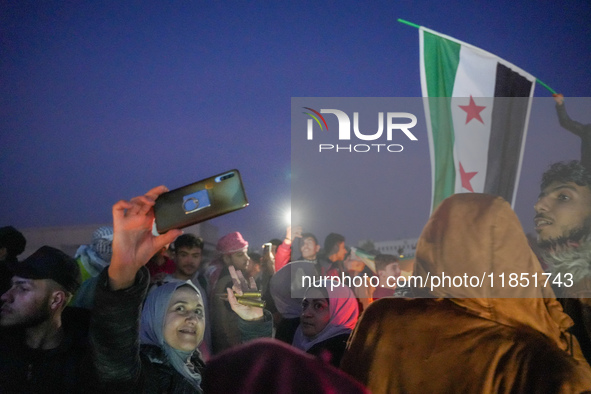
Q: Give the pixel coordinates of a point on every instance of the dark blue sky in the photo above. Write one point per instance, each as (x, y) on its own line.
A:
(103, 100)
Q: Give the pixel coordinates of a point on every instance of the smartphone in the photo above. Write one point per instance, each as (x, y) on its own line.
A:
(200, 201)
(267, 247)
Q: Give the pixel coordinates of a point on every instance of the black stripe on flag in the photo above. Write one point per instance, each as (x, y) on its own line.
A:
(512, 95)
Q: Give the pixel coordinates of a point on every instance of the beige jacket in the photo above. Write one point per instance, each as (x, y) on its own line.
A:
(469, 339)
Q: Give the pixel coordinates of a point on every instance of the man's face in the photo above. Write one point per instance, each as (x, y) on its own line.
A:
(253, 269)
(353, 266)
(239, 260)
(184, 323)
(341, 252)
(390, 270)
(188, 261)
(309, 248)
(26, 303)
(563, 214)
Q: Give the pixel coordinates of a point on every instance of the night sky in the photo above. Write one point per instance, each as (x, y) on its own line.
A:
(101, 101)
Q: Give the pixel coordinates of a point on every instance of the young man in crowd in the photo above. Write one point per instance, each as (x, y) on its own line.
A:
(233, 249)
(187, 257)
(335, 253)
(388, 270)
(309, 247)
(43, 344)
(563, 224)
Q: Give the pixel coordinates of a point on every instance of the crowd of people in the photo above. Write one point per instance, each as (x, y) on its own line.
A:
(135, 311)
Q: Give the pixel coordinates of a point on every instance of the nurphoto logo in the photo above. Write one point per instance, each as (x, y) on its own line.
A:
(395, 122)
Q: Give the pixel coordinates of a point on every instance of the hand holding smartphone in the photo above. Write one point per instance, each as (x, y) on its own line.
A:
(200, 201)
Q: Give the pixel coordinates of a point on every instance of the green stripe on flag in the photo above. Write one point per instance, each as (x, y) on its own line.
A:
(441, 59)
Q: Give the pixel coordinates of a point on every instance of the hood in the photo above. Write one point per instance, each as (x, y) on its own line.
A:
(478, 235)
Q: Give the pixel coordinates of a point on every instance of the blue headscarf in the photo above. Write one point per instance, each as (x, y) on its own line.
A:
(152, 329)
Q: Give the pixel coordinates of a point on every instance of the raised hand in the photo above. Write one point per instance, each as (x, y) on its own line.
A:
(292, 233)
(240, 285)
(133, 241)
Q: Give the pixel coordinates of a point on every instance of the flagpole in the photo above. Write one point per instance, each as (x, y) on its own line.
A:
(546, 86)
(408, 23)
(418, 27)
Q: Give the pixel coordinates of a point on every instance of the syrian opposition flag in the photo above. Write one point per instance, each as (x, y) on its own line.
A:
(477, 108)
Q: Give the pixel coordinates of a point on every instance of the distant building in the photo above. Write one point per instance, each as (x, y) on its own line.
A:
(69, 238)
(403, 248)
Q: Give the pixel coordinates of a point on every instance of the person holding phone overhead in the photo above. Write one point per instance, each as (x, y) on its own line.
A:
(164, 359)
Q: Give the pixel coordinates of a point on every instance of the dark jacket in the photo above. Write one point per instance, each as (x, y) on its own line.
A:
(160, 376)
(579, 309)
(224, 322)
(227, 328)
(331, 350)
(576, 299)
(124, 365)
(65, 369)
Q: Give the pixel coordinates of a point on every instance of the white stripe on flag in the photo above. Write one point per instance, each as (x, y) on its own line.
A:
(475, 77)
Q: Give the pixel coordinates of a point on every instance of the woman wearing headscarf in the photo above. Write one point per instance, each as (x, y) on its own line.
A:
(328, 317)
(470, 336)
(286, 289)
(160, 354)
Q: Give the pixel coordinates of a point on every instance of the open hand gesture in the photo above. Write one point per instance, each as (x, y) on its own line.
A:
(240, 286)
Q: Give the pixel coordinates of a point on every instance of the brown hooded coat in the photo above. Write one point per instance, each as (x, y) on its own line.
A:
(488, 339)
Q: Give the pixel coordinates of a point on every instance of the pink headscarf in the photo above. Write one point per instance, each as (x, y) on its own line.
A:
(344, 312)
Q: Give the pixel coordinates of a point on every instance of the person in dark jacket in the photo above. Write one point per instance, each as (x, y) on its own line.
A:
(44, 344)
(563, 224)
(160, 354)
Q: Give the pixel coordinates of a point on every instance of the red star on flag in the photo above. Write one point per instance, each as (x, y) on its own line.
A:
(466, 177)
(472, 111)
